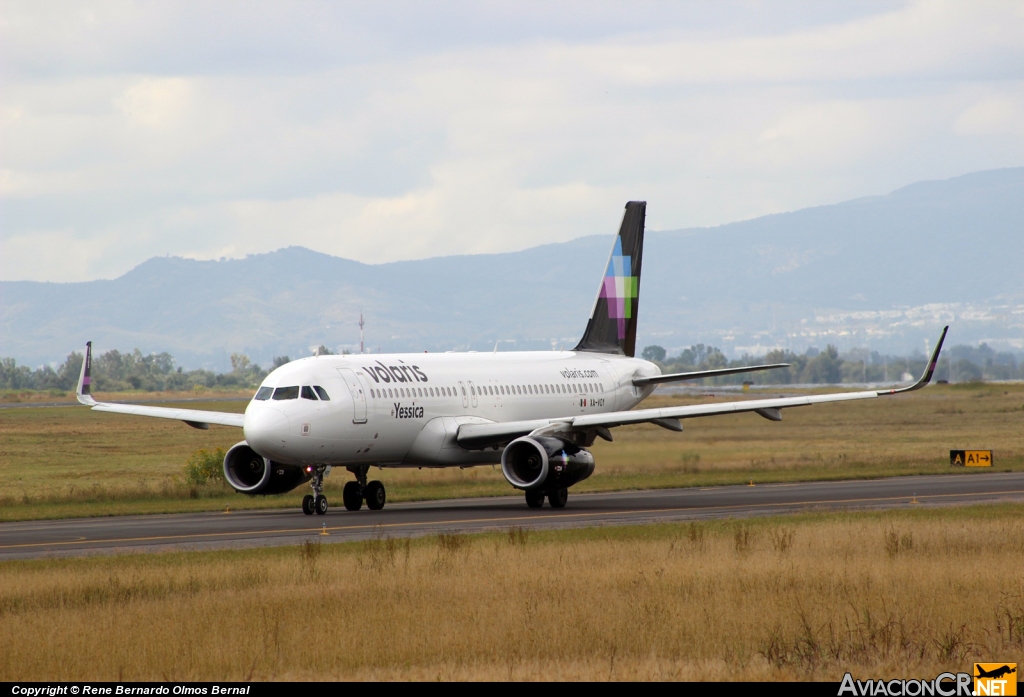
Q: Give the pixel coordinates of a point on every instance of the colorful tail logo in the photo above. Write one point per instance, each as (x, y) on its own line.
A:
(619, 288)
(612, 326)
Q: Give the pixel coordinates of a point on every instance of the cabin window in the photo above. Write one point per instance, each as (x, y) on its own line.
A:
(307, 393)
(264, 393)
(286, 393)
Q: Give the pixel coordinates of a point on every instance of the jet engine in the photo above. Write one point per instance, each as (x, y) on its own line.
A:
(544, 463)
(249, 472)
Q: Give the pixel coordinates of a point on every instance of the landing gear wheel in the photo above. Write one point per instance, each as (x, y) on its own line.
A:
(320, 503)
(307, 504)
(375, 495)
(558, 498)
(353, 496)
(534, 499)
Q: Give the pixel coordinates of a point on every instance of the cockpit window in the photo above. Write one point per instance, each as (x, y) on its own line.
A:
(286, 393)
(322, 392)
(264, 393)
(307, 392)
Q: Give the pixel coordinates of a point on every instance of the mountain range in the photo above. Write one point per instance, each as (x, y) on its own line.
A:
(882, 271)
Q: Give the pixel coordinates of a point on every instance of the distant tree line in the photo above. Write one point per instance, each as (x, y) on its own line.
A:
(114, 371)
(956, 364)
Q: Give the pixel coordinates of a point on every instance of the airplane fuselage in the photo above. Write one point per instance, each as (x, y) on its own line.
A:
(404, 410)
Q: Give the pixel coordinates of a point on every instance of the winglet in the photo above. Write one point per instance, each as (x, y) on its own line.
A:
(85, 379)
(928, 371)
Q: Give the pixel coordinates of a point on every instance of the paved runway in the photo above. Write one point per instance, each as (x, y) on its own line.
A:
(278, 527)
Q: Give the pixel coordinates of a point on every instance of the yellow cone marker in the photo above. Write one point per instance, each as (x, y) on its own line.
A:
(324, 531)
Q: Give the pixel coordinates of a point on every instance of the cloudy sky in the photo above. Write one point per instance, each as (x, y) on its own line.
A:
(387, 130)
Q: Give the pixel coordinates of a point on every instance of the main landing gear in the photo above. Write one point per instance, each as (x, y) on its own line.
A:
(557, 498)
(316, 502)
(361, 490)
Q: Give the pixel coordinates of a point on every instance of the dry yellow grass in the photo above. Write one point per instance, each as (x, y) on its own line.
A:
(896, 594)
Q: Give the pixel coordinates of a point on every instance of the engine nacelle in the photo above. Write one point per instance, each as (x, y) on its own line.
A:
(544, 463)
(249, 472)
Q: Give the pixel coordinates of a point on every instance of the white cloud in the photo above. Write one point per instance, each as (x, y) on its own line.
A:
(1002, 115)
(135, 131)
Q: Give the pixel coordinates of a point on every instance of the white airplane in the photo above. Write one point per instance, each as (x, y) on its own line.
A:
(535, 412)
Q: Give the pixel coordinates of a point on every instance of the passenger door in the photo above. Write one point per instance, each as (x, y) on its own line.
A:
(465, 395)
(472, 392)
(355, 386)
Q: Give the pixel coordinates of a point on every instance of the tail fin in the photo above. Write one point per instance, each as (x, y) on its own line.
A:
(612, 325)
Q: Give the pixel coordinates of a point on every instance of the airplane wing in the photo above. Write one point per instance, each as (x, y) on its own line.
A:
(483, 435)
(193, 417)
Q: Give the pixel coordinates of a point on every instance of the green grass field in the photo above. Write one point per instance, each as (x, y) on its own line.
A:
(70, 461)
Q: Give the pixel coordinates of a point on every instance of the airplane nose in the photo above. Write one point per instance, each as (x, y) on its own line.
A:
(266, 428)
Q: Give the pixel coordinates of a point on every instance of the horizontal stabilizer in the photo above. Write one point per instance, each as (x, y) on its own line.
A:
(698, 374)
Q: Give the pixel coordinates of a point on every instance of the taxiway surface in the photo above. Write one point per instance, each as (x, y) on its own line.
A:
(289, 526)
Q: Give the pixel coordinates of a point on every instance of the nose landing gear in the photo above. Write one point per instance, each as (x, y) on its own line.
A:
(316, 502)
